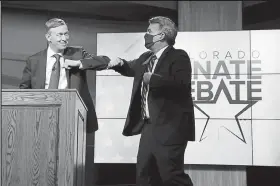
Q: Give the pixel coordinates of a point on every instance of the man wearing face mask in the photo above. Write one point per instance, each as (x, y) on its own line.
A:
(161, 107)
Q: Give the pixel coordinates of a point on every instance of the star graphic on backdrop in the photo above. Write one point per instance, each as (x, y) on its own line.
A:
(109, 108)
(107, 142)
(238, 109)
(98, 158)
(117, 158)
(127, 142)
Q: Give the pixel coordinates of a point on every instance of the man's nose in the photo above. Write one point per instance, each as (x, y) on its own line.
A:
(64, 37)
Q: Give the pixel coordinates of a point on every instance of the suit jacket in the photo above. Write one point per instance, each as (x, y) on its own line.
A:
(169, 100)
(34, 76)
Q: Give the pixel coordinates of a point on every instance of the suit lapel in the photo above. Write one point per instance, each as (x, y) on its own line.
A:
(140, 72)
(42, 61)
(147, 60)
(163, 55)
(159, 60)
(66, 55)
(144, 65)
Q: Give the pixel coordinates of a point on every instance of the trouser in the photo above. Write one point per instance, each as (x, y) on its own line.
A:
(160, 165)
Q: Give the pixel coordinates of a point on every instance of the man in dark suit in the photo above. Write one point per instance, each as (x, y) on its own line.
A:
(161, 107)
(46, 69)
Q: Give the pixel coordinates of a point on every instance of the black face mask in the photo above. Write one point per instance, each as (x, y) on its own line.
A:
(149, 40)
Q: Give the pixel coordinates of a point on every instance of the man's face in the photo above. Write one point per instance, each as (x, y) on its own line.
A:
(58, 37)
(153, 35)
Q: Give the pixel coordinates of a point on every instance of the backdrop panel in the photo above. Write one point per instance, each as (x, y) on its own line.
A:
(229, 92)
(265, 47)
(112, 146)
(266, 142)
(269, 105)
(113, 96)
(266, 123)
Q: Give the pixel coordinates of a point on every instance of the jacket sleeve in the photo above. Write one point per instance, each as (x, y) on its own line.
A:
(26, 77)
(179, 74)
(92, 62)
(127, 69)
(130, 67)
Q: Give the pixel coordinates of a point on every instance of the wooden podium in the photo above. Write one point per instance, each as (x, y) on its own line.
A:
(43, 138)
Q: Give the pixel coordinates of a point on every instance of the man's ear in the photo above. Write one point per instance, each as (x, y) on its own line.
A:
(48, 36)
(162, 36)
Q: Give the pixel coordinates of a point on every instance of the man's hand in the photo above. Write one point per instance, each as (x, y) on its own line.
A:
(68, 63)
(114, 62)
(147, 77)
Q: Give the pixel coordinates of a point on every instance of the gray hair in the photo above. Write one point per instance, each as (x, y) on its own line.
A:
(53, 23)
(167, 26)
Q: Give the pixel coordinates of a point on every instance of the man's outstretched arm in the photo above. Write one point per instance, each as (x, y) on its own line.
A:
(93, 62)
(88, 62)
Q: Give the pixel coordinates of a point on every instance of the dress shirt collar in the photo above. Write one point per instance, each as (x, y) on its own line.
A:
(158, 54)
(50, 52)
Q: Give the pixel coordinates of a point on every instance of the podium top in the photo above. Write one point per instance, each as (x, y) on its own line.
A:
(40, 90)
(46, 90)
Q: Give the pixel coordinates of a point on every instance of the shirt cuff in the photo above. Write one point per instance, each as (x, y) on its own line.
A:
(81, 65)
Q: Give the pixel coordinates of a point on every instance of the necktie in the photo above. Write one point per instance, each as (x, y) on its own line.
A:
(145, 87)
(54, 80)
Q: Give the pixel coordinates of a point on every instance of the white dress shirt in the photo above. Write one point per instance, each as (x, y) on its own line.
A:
(63, 84)
(158, 54)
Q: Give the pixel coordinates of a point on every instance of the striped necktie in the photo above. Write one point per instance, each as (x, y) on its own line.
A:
(145, 87)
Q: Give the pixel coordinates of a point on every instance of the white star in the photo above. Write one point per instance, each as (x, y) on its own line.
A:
(127, 142)
(108, 142)
(134, 159)
(109, 108)
(120, 89)
(98, 158)
(100, 125)
(117, 158)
